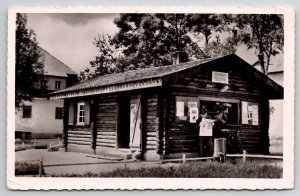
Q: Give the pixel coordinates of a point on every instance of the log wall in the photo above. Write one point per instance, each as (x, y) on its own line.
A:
(107, 112)
(183, 136)
(150, 112)
(80, 135)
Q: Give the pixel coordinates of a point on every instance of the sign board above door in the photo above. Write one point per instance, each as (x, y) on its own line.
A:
(219, 77)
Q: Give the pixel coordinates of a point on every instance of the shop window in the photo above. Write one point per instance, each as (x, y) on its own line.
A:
(249, 113)
(58, 113)
(27, 111)
(213, 108)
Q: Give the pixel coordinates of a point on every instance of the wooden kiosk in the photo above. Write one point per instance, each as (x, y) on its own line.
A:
(154, 110)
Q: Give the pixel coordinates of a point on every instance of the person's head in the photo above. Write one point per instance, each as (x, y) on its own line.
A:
(203, 112)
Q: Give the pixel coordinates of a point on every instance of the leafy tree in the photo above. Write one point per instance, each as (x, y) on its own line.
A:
(109, 59)
(152, 39)
(263, 33)
(205, 24)
(147, 40)
(217, 48)
(143, 40)
(29, 62)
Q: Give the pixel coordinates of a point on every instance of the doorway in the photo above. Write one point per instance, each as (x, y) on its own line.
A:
(123, 122)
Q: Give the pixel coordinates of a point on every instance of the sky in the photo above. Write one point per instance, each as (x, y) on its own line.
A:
(69, 37)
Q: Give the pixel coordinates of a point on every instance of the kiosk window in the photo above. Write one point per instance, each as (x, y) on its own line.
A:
(230, 110)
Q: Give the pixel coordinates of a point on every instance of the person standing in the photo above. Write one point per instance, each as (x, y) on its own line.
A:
(205, 143)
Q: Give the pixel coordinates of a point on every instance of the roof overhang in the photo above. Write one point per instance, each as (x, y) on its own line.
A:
(107, 89)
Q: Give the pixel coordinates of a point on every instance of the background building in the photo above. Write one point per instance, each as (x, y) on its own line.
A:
(42, 118)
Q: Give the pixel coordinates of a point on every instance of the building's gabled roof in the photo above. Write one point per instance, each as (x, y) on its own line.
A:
(144, 78)
(54, 67)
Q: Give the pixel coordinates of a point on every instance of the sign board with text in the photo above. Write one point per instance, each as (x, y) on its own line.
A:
(220, 77)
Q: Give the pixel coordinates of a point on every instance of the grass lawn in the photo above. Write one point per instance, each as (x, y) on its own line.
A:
(27, 168)
(194, 170)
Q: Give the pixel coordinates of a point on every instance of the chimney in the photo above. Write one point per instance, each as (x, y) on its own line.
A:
(181, 57)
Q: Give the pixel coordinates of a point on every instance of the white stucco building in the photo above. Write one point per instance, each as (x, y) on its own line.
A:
(42, 118)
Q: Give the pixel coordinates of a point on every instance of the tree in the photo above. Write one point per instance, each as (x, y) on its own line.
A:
(152, 39)
(262, 32)
(109, 59)
(147, 40)
(217, 48)
(205, 24)
(29, 62)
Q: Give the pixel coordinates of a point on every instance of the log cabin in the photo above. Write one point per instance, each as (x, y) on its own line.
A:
(154, 110)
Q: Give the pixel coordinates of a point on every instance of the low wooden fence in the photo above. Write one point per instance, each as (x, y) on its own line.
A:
(182, 160)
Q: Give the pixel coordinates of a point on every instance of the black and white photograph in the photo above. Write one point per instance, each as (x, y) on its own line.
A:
(150, 98)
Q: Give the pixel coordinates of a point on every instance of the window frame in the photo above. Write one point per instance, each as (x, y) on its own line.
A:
(57, 85)
(44, 84)
(60, 116)
(198, 99)
(25, 114)
(225, 100)
(78, 116)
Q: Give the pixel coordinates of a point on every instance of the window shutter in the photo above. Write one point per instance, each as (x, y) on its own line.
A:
(71, 113)
(87, 114)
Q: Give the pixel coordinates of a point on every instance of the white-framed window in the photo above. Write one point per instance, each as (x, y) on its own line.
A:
(80, 113)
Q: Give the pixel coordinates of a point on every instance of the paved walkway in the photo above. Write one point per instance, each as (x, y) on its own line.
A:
(80, 163)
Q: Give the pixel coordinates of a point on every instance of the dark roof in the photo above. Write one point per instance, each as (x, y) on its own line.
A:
(147, 74)
(54, 67)
(134, 75)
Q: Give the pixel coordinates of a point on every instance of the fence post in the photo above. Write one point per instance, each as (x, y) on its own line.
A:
(244, 156)
(183, 158)
(125, 159)
(41, 168)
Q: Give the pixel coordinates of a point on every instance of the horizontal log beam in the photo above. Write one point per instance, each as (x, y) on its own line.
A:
(81, 136)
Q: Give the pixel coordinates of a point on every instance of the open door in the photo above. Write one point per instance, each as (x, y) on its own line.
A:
(124, 122)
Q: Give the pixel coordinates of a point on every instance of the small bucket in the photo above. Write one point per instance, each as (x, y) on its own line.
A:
(219, 147)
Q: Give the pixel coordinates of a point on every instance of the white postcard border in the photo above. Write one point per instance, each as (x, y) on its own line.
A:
(46, 183)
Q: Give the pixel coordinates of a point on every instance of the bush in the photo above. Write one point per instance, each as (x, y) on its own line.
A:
(28, 144)
(27, 168)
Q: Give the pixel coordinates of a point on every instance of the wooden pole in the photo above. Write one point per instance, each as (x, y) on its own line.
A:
(41, 169)
(244, 156)
(183, 158)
